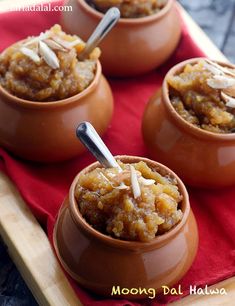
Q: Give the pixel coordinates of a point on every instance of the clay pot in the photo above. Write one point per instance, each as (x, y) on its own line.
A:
(98, 262)
(135, 45)
(45, 131)
(199, 157)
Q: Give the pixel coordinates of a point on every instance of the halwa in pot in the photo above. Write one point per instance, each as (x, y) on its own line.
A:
(203, 95)
(135, 204)
(46, 68)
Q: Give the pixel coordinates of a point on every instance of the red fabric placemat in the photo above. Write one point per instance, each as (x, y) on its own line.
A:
(44, 187)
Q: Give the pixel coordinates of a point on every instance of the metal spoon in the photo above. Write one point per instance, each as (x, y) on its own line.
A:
(92, 141)
(106, 24)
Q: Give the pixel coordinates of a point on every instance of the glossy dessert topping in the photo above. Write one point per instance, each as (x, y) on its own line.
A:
(46, 67)
(130, 8)
(203, 95)
(134, 204)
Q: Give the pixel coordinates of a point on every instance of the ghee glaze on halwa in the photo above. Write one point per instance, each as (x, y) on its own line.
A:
(130, 8)
(203, 94)
(46, 67)
(135, 204)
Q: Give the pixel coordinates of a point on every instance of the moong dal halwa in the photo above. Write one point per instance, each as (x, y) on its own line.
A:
(134, 204)
(130, 8)
(203, 94)
(46, 67)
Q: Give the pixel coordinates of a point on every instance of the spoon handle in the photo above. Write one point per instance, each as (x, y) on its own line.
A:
(106, 24)
(90, 138)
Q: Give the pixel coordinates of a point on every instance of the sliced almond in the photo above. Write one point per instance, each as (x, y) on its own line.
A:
(146, 182)
(230, 102)
(221, 82)
(214, 70)
(75, 42)
(104, 177)
(62, 42)
(54, 45)
(221, 68)
(134, 183)
(228, 71)
(48, 55)
(36, 39)
(31, 54)
(122, 187)
(230, 91)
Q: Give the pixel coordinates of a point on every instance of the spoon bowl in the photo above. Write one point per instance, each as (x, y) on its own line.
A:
(92, 141)
(104, 27)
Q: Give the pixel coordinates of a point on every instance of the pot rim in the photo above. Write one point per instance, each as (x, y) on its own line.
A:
(37, 104)
(190, 128)
(123, 244)
(128, 21)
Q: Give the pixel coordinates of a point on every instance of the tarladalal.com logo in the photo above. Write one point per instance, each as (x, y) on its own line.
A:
(35, 6)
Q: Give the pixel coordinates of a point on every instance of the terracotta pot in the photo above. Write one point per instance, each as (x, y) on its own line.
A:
(135, 45)
(46, 131)
(199, 157)
(98, 262)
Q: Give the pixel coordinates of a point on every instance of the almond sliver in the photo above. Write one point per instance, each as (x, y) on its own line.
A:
(221, 68)
(36, 39)
(146, 182)
(75, 42)
(48, 55)
(65, 44)
(230, 102)
(54, 45)
(134, 183)
(122, 187)
(104, 177)
(214, 70)
(221, 82)
(31, 54)
(230, 91)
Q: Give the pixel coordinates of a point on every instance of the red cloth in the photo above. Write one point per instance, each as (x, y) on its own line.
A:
(44, 187)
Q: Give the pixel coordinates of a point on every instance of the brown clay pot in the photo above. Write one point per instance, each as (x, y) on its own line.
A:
(98, 262)
(135, 45)
(199, 157)
(45, 131)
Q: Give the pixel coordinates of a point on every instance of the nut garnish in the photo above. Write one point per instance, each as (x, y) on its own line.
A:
(44, 44)
(54, 45)
(134, 183)
(221, 82)
(48, 55)
(31, 54)
(74, 42)
(44, 47)
(223, 79)
(62, 42)
(122, 187)
(33, 40)
(146, 182)
(106, 179)
(230, 91)
(230, 102)
(208, 65)
(220, 68)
